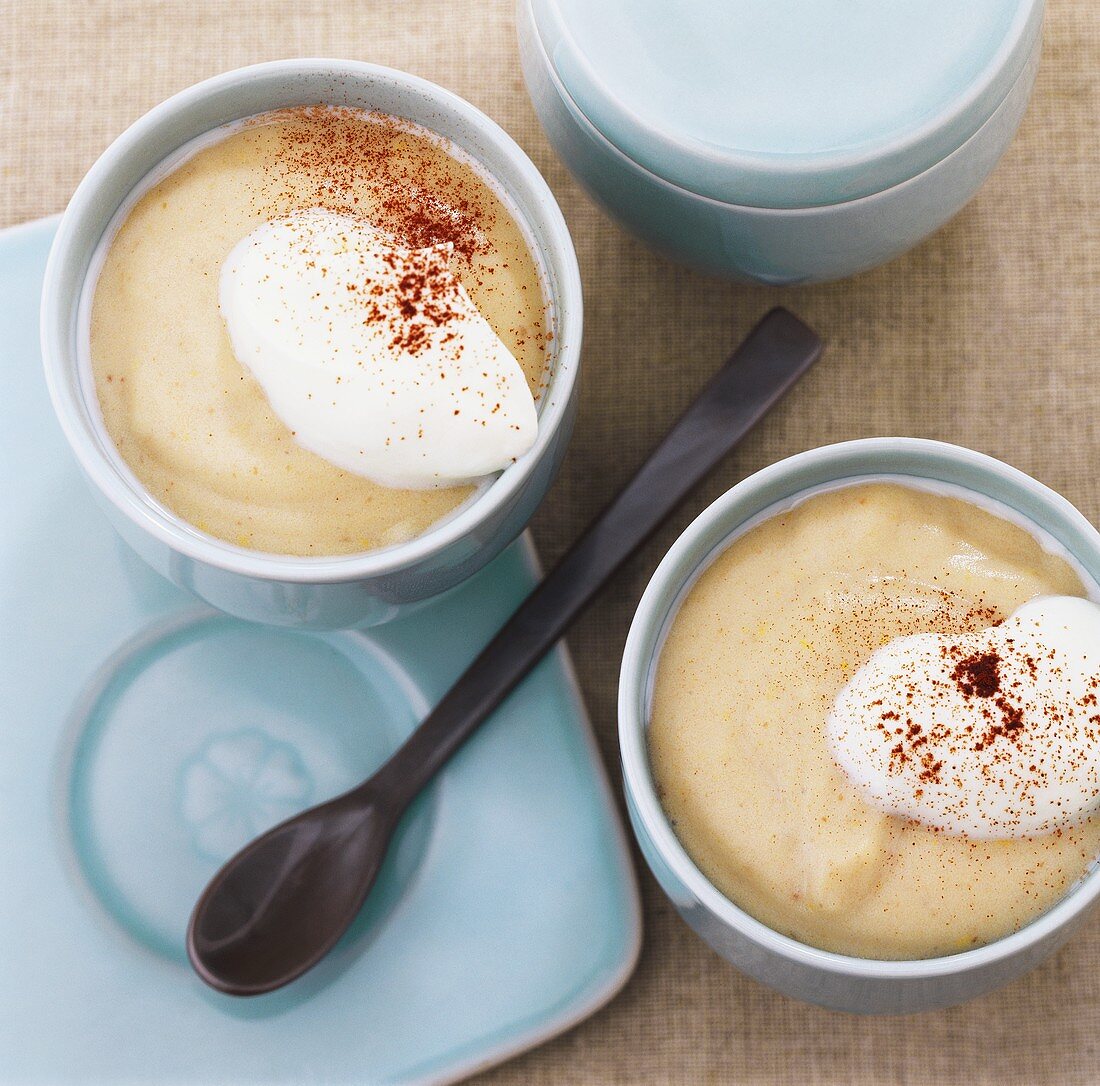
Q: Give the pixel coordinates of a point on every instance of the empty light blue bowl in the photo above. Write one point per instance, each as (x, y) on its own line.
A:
(781, 142)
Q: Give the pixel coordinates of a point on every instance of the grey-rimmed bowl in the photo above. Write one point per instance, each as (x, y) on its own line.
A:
(353, 590)
(838, 981)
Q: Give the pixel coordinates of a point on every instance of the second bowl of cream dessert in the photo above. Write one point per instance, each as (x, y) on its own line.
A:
(860, 718)
(312, 329)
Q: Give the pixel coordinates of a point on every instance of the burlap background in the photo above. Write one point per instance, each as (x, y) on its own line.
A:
(985, 336)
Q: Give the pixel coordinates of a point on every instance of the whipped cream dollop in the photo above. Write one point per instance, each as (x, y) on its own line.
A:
(373, 354)
(994, 734)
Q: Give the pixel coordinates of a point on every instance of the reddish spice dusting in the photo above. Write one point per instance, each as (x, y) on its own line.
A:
(907, 738)
(340, 151)
(997, 685)
(363, 163)
(428, 297)
(371, 165)
(979, 675)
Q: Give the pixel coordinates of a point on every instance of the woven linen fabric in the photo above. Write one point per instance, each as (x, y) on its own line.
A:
(985, 335)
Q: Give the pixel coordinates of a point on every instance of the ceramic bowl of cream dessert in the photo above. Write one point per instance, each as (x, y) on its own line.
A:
(312, 330)
(859, 719)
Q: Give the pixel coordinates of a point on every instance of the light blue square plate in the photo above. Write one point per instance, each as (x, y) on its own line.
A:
(144, 738)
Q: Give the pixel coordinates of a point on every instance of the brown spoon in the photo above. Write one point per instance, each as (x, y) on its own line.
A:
(280, 905)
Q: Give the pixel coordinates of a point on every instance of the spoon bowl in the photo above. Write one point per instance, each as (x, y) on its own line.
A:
(285, 899)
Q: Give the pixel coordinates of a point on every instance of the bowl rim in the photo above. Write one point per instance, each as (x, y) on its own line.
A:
(642, 646)
(85, 435)
(688, 162)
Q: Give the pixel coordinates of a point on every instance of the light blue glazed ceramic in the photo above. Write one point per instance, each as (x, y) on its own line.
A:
(785, 142)
(323, 593)
(832, 980)
(145, 737)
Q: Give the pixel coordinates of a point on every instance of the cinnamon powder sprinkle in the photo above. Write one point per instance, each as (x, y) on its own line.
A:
(1009, 721)
(339, 151)
(371, 165)
(428, 297)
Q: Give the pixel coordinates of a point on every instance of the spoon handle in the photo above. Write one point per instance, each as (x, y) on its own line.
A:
(773, 357)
